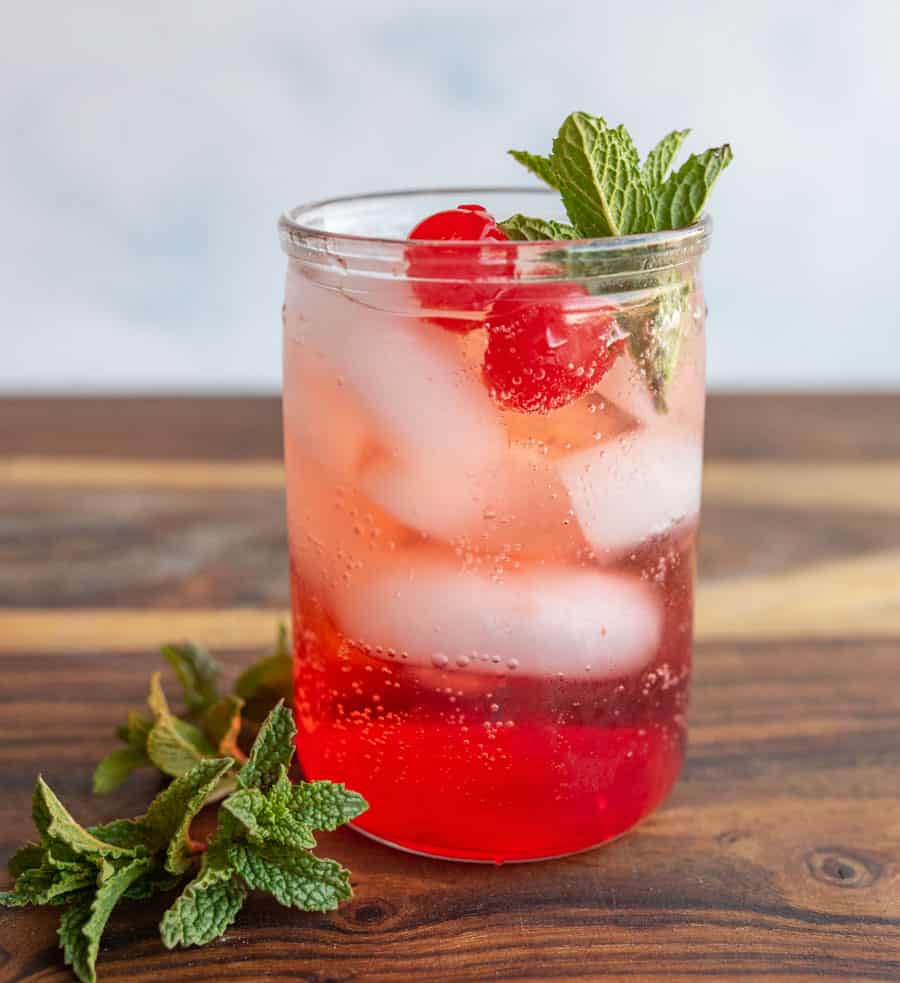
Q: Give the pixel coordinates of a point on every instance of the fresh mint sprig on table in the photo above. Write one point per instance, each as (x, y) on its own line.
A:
(212, 723)
(261, 842)
(607, 191)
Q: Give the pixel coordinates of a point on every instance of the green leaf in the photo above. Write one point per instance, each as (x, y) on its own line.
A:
(197, 672)
(12, 899)
(125, 833)
(171, 813)
(268, 680)
(222, 725)
(72, 939)
(659, 160)
(54, 823)
(49, 884)
(326, 805)
(155, 881)
(681, 198)
(598, 178)
(270, 817)
(272, 749)
(541, 167)
(206, 907)
(655, 333)
(30, 855)
(81, 927)
(135, 731)
(166, 824)
(525, 228)
(173, 745)
(116, 767)
(295, 878)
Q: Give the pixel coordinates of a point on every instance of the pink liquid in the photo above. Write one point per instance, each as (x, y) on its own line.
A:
(492, 609)
(496, 767)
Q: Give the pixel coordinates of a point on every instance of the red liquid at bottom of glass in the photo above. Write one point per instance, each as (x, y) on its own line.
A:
(494, 768)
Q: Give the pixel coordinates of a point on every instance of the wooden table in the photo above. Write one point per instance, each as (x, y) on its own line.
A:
(123, 523)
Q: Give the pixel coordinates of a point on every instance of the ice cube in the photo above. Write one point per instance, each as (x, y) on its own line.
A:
(323, 416)
(640, 484)
(410, 377)
(624, 383)
(335, 534)
(440, 442)
(425, 606)
(515, 503)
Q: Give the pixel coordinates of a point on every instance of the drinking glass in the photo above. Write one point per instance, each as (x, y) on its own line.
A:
(493, 457)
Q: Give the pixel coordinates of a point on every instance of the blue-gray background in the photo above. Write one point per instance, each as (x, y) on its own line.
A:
(147, 149)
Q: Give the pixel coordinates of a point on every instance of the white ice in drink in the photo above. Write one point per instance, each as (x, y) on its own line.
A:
(434, 525)
(428, 609)
(637, 486)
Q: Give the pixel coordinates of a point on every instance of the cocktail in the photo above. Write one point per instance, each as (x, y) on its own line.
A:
(493, 451)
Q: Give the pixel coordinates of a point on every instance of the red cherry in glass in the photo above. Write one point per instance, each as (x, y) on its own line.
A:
(453, 279)
(548, 344)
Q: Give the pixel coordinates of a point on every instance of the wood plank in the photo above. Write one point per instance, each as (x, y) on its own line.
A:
(184, 427)
(777, 857)
(804, 426)
(868, 486)
(855, 426)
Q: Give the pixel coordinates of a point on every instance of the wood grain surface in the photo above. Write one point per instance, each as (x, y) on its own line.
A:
(126, 522)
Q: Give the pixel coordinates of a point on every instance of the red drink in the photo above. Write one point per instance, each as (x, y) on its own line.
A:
(492, 596)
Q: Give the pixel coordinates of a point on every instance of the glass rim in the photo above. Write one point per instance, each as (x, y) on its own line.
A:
(290, 222)
(353, 259)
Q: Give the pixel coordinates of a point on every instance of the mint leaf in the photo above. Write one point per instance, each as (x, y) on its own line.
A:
(49, 884)
(197, 672)
(541, 167)
(81, 927)
(272, 750)
(154, 881)
(173, 745)
(206, 907)
(54, 823)
(270, 817)
(30, 855)
(295, 878)
(598, 178)
(169, 816)
(267, 681)
(681, 198)
(659, 160)
(12, 899)
(326, 805)
(125, 833)
(136, 731)
(72, 939)
(116, 767)
(222, 725)
(655, 333)
(166, 824)
(525, 228)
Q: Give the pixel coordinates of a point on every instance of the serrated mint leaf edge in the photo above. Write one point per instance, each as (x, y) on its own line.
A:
(658, 161)
(541, 167)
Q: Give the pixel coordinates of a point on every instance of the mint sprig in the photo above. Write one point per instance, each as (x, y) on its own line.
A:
(608, 191)
(212, 722)
(605, 188)
(262, 841)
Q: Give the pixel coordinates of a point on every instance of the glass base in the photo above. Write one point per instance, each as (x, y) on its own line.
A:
(432, 854)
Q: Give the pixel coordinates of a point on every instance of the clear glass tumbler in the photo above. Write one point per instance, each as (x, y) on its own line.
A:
(493, 460)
